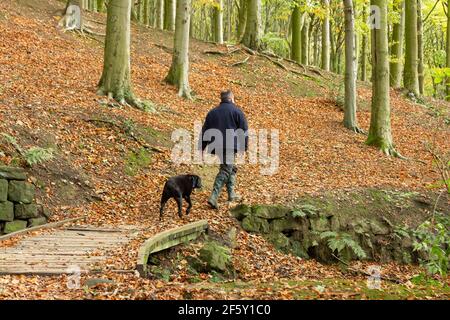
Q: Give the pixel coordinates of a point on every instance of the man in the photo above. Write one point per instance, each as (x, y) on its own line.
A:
(224, 133)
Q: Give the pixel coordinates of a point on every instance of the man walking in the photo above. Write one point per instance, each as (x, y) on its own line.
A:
(224, 134)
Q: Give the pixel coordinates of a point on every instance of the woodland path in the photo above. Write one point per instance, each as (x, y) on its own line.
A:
(83, 249)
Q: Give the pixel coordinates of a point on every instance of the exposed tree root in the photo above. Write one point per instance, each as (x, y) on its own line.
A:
(357, 130)
(239, 63)
(127, 133)
(390, 151)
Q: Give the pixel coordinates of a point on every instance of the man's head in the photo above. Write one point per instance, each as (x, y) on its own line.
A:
(227, 96)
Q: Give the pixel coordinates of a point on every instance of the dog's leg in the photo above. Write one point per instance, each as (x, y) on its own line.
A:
(188, 200)
(180, 206)
(164, 200)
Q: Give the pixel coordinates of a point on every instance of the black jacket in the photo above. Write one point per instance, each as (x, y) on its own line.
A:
(222, 118)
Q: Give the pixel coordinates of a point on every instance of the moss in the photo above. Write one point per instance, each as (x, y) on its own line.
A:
(136, 160)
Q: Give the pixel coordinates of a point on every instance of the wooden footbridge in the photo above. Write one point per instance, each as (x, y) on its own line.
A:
(84, 248)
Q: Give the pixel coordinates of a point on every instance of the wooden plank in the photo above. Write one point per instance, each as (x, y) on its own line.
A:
(167, 239)
(53, 253)
(40, 272)
(90, 229)
(45, 226)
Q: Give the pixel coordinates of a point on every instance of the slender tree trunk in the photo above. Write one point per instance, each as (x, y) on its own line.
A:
(115, 81)
(420, 67)
(146, 16)
(397, 48)
(179, 71)
(350, 121)
(326, 37)
(252, 35)
(380, 121)
(296, 42)
(316, 46)
(305, 40)
(242, 14)
(101, 5)
(448, 51)
(169, 15)
(218, 22)
(364, 45)
(411, 76)
(160, 14)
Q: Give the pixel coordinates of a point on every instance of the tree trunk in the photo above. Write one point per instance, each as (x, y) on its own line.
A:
(169, 15)
(115, 81)
(350, 121)
(364, 45)
(448, 51)
(316, 46)
(326, 37)
(179, 71)
(296, 42)
(380, 121)
(160, 14)
(218, 22)
(411, 76)
(242, 14)
(420, 67)
(397, 47)
(252, 35)
(305, 40)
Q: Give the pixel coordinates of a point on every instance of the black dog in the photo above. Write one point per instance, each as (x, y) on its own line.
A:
(179, 187)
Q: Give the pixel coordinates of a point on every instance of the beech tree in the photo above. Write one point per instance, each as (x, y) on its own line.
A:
(218, 21)
(411, 76)
(160, 14)
(179, 71)
(169, 15)
(380, 134)
(253, 32)
(397, 45)
(448, 52)
(297, 25)
(350, 121)
(326, 36)
(242, 19)
(115, 81)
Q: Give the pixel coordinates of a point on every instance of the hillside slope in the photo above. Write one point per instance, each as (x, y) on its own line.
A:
(48, 98)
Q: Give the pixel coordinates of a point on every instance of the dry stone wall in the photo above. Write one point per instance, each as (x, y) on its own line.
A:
(18, 209)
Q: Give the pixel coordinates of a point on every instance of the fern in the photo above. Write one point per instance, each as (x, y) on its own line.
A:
(12, 141)
(37, 155)
(338, 242)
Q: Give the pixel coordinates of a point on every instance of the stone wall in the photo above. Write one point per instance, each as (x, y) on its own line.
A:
(18, 209)
(298, 231)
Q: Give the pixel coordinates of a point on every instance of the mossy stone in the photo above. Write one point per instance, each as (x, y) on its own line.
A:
(3, 190)
(26, 211)
(37, 222)
(298, 249)
(279, 240)
(6, 211)
(216, 256)
(12, 173)
(270, 212)
(378, 228)
(286, 224)
(241, 211)
(255, 224)
(21, 192)
(14, 226)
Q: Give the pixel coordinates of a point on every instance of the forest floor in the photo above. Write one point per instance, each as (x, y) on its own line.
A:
(48, 98)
